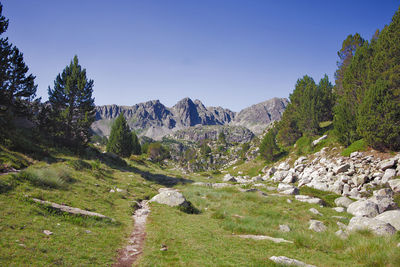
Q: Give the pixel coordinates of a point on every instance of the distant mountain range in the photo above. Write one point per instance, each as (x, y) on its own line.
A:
(154, 120)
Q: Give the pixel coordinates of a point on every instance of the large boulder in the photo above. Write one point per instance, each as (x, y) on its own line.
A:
(279, 176)
(384, 203)
(395, 185)
(170, 197)
(343, 202)
(342, 168)
(317, 226)
(378, 227)
(389, 174)
(386, 164)
(364, 208)
(392, 217)
(229, 178)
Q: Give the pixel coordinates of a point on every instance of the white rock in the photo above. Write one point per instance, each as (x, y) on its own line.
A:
(343, 201)
(389, 174)
(386, 164)
(170, 197)
(392, 217)
(395, 185)
(363, 208)
(376, 226)
(338, 209)
(308, 199)
(288, 261)
(316, 142)
(341, 234)
(317, 226)
(284, 228)
(47, 232)
(284, 166)
(342, 168)
(229, 178)
(315, 211)
(341, 225)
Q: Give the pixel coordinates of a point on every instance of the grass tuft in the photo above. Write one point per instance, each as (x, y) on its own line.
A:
(359, 145)
(52, 176)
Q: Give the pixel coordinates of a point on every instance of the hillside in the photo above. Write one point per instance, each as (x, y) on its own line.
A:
(154, 120)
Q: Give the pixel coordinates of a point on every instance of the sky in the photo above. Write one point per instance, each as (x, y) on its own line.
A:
(229, 53)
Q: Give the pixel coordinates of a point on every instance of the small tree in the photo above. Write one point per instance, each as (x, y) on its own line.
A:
(72, 106)
(120, 141)
(136, 148)
(268, 146)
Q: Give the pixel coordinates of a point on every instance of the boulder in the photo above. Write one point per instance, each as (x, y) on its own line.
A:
(288, 189)
(392, 217)
(317, 226)
(343, 202)
(308, 199)
(280, 176)
(386, 164)
(288, 261)
(341, 234)
(315, 211)
(229, 178)
(284, 166)
(170, 197)
(389, 174)
(316, 142)
(383, 202)
(342, 168)
(365, 208)
(376, 226)
(338, 209)
(395, 185)
(220, 185)
(284, 228)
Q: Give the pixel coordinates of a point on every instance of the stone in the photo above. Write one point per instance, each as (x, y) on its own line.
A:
(317, 226)
(264, 237)
(374, 225)
(341, 225)
(343, 202)
(339, 217)
(220, 185)
(354, 154)
(392, 217)
(280, 176)
(300, 160)
(229, 178)
(365, 208)
(47, 232)
(338, 209)
(170, 197)
(282, 260)
(341, 234)
(395, 185)
(288, 189)
(383, 202)
(289, 201)
(319, 140)
(315, 211)
(359, 179)
(284, 166)
(342, 168)
(389, 174)
(284, 228)
(386, 164)
(308, 199)
(290, 178)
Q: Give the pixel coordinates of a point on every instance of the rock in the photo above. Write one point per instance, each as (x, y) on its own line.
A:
(363, 208)
(88, 231)
(343, 202)
(389, 174)
(338, 209)
(170, 197)
(244, 190)
(383, 202)
(342, 168)
(300, 160)
(359, 179)
(229, 178)
(284, 166)
(395, 185)
(280, 176)
(354, 154)
(316, 142)
(202, 184)
(264, 237)
(220, 185)
(341, 234)
(288, 189)
(386, 164)
(341, 225)
(47, 232)
(315, 211)
(374, 225)
(392, 217)
(339, 217)
(308, 199)
(290, 178)
(288, 261)
(317, 226)
(284, 228)
(288, 201)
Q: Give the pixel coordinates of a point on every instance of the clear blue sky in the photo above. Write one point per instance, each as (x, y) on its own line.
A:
(226, 53)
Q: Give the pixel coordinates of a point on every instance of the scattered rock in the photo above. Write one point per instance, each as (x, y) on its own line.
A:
(315, 211)
(284, 228)
(164, 247)
(317, 226)
(264, 237)
(308, 199)
(392, 217)
(363, 208)
(289, 201)
(47, 232)
(341, 225)
(374, 225)
(389, 174)
(338, 209)
(88, 231)
(170, 197)
(288, 261)
(342, 168)
(220, 185)
(341, 234)
(229, 178)
(386, 164)
(316, 142)
(288, 189)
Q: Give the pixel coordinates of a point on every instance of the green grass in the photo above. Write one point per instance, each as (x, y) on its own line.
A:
(208, 238)
(359, 145)
(327, 197)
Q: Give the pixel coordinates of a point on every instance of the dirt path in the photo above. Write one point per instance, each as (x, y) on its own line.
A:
(131, 252)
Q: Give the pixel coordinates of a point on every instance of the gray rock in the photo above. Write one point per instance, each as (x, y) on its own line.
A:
(280, 176)
(395, 185)
(343, 202)
(389, 174)
(338, 209)
(284, 166)
(342, 168)
(363, 208)
(392, 217)
(291, 191)
(315, 211)
(386, 164)
(341, 225)
(359, 179)
(341, 234)
(319, 140)
(229, 178)
(47, 232)
(170, 197)
(284, 228)
(317, 226)
(383, 202)
(308, 199)
(374, 225)
(288, 261)
(220, 185)
(264, 237)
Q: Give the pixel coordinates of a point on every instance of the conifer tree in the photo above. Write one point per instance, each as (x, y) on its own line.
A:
(72, 106)
(136, 148)
(120, 141)
(268, 146)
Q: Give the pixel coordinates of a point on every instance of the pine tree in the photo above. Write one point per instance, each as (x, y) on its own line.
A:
(136, 148)
(326, 100)
(120, 141)
(72, 105)
(268, 146)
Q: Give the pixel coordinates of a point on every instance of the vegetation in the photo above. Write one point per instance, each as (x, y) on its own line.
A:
(157, 152)
(121, 138)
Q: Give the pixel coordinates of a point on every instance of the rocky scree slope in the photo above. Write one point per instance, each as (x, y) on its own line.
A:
(154, 120)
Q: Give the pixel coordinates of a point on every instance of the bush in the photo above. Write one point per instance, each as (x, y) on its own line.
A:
(359, 145)
(157, 152)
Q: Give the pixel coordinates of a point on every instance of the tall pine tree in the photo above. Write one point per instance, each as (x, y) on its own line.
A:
(120, 141)
(72, 106)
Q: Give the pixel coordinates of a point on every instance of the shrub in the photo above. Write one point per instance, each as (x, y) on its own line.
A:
(53, 177)
(359, 145)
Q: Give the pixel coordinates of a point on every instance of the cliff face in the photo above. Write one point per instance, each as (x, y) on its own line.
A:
(155, 120)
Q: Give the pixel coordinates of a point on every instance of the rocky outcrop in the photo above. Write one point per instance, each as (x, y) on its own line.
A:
(170, 197)
(376, 226)
(154, 120)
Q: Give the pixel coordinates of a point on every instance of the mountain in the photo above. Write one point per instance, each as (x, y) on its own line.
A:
(153, 119)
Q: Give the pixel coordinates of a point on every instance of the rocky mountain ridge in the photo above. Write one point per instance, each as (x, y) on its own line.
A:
(155, 120)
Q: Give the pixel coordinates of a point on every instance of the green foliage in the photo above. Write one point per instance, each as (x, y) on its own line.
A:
(222, 138)
(72, 109)
(268, 146)
(205, 149)
(136, 148)
(102, 140)
(359, 145)
(158, 152)
(304, 146)
(79, 164)
(52, 177)
(121, 138)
